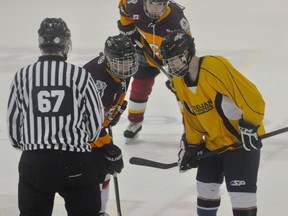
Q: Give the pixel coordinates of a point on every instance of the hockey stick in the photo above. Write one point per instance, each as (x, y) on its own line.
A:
(159, 165)
(240, 145)
(154, 164)
(115, 180)
(160, 67)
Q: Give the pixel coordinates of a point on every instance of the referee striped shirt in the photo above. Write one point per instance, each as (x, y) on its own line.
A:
(54, 105)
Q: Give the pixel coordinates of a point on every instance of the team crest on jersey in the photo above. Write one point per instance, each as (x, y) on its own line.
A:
(101, 86)
(132, 1)
(203, 107)
(185, 25)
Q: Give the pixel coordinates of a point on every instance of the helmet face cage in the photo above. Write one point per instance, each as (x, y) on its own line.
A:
(121, 55)
(154, 9)
(54, 36)
(177, 50)
(177, 65)
(124, 67)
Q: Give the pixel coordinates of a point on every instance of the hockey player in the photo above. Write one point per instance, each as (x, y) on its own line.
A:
(112, 71)
(147, 21)
(220, 107)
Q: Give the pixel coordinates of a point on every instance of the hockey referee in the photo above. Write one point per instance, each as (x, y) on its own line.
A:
(54, 113)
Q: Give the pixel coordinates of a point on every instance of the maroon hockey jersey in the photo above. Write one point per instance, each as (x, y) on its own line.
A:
(112, 91)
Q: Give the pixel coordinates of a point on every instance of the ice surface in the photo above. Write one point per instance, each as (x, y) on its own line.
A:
(252, 34)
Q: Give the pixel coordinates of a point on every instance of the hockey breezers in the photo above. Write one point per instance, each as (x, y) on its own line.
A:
(159, 165)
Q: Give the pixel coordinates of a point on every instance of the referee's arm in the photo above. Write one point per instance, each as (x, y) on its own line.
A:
(14, 117)
(95, 110)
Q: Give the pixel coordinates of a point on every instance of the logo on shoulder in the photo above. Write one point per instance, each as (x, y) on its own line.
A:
(101, 59)
(237, 183)
(132, 1)
(185, 25)
(101, 86)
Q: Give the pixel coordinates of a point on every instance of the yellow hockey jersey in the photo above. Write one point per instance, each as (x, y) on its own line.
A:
(214, 103)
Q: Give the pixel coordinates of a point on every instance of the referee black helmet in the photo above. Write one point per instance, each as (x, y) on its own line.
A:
(54, 36)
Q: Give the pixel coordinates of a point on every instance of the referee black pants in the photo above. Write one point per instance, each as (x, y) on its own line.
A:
(73, 176)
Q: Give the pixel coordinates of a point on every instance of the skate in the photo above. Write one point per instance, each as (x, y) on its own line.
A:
(132, 131)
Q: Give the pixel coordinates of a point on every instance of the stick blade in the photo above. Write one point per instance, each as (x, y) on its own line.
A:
(149, 163)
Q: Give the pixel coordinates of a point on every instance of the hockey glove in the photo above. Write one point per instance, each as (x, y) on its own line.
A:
(113, 155)
(187, 156)
(129, 31)
(249, 136)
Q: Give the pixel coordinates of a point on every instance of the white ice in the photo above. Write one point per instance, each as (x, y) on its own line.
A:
(252, 34)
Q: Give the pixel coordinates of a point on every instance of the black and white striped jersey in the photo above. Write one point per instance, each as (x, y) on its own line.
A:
(54, 105)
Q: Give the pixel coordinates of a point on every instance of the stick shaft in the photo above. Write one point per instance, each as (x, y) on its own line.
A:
(240, 145)
(150, 163)
(117, 194)
(116, 185)
(160, 67)
(159, 165)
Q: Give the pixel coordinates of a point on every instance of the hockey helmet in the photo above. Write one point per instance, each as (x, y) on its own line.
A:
(177, 50)
(154, 9)
(121, 55)
(54, 36)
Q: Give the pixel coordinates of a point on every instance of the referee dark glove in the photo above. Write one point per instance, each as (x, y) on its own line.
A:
(113, 155)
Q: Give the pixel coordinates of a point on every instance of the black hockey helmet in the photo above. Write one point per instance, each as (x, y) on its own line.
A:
(150, 6)
(178, 45)
(54, 36)
(121, 55)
